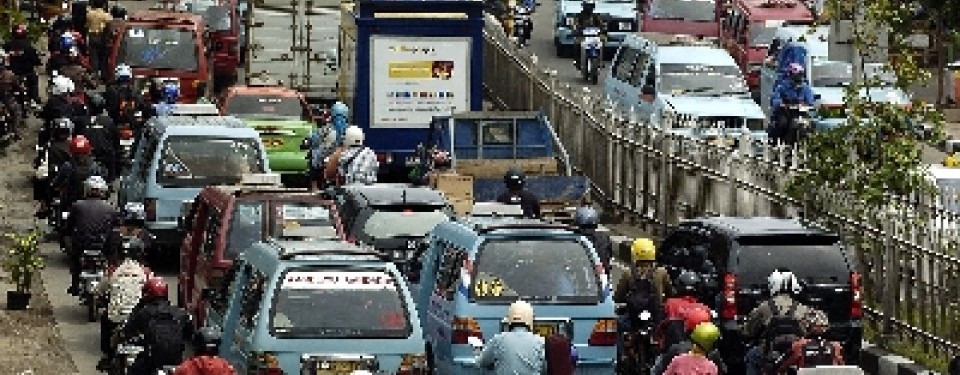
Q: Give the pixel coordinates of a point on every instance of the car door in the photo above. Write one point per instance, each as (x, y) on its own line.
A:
(189, 251)
(443, 306)
(246, 327)
(133, 185)
(207, 243)
(621, 73)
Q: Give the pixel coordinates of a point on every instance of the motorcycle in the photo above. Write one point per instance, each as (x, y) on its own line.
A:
(126, 354)
(640, 346)
(128, 135)
(590, 47)
(799, 125)
(522, 25)
(92, 268)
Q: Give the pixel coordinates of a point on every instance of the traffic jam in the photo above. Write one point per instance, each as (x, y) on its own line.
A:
(327, 212)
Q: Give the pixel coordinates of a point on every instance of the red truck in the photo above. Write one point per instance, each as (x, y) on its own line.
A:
(749, 27)
(164, 46)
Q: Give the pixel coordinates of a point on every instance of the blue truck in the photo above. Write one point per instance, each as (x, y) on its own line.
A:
(403, 62)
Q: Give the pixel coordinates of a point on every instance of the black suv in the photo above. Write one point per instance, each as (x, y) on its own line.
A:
(744, 251)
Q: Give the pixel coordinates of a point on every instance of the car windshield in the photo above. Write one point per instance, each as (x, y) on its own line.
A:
(811, 258)
(265, 106)
(831, 74)
(338, 303)
(700, 80)
(246, 227)
(535, 269)
(198, 161)
(761, 36)
(389, 222)
(302, 220)
(159, 48)
(689, 10)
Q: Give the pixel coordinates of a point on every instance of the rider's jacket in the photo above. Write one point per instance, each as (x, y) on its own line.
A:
(123, 287)
(518, 351)
(791, 93)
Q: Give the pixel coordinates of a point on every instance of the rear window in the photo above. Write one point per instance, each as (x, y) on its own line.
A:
(266, 106)
(198, 161)
(338, 303)
(302, 220)
(535, 269)
(687, 10)
(390, 222)
(811, 258)
(246, 227)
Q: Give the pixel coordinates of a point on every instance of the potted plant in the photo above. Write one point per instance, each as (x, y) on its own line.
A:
(21, 261)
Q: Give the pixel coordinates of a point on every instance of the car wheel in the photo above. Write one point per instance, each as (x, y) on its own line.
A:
(431, 363)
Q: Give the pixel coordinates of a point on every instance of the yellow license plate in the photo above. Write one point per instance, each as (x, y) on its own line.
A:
(338, 368)
(545, 329)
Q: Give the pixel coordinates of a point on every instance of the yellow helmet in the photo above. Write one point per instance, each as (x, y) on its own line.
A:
(520, 312)
(705, 335)
(643, 250)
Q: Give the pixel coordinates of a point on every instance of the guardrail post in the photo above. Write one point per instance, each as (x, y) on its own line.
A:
(891, 285)
(664, 178)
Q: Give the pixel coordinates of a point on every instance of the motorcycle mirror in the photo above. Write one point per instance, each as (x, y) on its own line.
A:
(644, 316)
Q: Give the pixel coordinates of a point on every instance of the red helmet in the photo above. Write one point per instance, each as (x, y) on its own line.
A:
(19, 31)
(694, 317)
(209, 366)
(80, 145)
(155, 287)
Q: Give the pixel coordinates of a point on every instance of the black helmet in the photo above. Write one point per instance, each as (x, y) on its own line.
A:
(688, 284)
(207, 341)
(514, 178)
(586, 217)
(118, 12)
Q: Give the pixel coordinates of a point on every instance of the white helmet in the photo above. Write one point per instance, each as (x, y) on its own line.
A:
(353, 136)
(123, 70)
(520, 312)
(62, 85)
(783, 282)
(94, 183)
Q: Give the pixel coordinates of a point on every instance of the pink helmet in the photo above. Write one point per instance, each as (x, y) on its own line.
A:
(795, 68)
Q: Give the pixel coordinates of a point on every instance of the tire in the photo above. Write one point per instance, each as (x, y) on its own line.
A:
(92, 310)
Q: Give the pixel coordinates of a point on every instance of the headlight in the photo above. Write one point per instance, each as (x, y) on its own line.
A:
(571, 21)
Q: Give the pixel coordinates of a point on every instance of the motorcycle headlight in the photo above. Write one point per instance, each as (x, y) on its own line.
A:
(64, 215)
(645, 316)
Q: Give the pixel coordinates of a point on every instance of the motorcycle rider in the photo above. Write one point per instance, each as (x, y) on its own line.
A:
(775, 323)
(60, 104)
(24, 60)
(57, 153)
(164, 329)
(356, 163)
(587, 220)
(104, 136)
(122, 289)
(514, 179)
(321, 142)
(643, 287)
(169, 93)
(691, 321)
(813, 350)
(517, 351)
(97, 18)
(587, 18)
(131, 231)
(795, 91)
(9, 84)
(88, 225)
(205, 360)
(122, 98)
(704, 338)
(61, 24)
(677, 308)
(118, 15)
(81, 166)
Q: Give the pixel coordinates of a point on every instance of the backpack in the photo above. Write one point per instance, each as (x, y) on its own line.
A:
(641, 296)
(783, 329)
(817, 352)
(164, 337)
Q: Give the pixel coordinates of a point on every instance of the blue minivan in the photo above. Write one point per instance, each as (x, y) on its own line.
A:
(473, 269)
(318, 307)
(178, 155)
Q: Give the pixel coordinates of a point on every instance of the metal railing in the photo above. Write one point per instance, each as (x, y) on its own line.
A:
(651, 175)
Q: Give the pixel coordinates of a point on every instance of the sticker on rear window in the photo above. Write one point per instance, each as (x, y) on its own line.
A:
(305, 213)
(136, 33)
(338, 280)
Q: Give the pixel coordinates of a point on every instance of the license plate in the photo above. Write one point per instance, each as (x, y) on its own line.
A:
(412, 160)
(338, 368)
(126, 142)
(625, 26)
(545, 329)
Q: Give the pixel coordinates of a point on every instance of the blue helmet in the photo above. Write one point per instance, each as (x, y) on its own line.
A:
(170, 93)
(67, 42)
(339, 109)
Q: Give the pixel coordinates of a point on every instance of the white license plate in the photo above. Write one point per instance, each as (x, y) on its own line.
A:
(412, 160)
(126, 142)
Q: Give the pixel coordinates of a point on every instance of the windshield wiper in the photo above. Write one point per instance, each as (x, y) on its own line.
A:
(699, 89)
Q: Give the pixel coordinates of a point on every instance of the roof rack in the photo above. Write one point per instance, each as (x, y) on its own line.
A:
(326, 247)
(526, 225)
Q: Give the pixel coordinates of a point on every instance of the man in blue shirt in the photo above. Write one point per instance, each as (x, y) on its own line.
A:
(794, 91)
(517, 351)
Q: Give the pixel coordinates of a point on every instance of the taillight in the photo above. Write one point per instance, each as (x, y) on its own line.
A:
(413, 364)
(264, 364)
(604, 333)
(385, 158)
(856, 303)
(126, 133)
(465, 327)
(150, 207)
(729, 306)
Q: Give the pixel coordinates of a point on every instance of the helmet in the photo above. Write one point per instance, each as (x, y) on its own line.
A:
(783, 282)
(514, 178)
(688, 284)
(62, 85)
(94, 186)
(643, 250)
(207, 341)
(817, 322)
(694, 317)
(705, 335)
(586, 217)
(67, 42)
(134, 212)
(170, 93)
(589, 4)
(155, 288)
(339, 109)
(123, 73)
(441, 159)
(80, 145)
(19, 31)
(353, 136)
(118, 12)
(520, 312)
(63, 123)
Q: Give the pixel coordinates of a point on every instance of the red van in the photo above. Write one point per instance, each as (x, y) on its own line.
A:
(748, 30)
(223, 23)
(164, 46)
(682, 17)
(224, 220)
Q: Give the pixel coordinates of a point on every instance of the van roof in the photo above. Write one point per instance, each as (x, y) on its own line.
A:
(396, 193)
(228, 126)
(271, 252)
(694, 54)
(490, 224)
(751, 226)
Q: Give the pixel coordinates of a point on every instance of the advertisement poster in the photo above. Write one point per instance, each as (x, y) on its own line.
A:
(415, 79)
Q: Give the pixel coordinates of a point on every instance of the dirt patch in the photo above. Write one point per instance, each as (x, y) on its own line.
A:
(29, 340)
